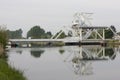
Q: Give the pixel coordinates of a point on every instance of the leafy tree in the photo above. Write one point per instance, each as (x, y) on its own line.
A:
(17, 34)
(48, 35)
(62, 35)
(3, 37)
(113, 28)
(36, 33)
(108, 34)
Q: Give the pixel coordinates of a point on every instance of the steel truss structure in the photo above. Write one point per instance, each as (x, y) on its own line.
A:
(82, 28)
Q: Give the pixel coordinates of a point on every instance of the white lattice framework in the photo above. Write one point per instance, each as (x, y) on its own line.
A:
(80, 20)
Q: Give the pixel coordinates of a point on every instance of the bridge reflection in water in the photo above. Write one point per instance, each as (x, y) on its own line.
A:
(67, 62)
(81, 58)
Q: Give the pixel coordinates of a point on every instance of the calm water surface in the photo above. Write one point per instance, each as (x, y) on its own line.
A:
(67, 63)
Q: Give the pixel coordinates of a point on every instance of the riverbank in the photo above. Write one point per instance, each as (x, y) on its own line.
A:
(8, 73)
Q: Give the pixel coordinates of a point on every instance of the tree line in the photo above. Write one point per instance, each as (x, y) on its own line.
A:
(36, 32)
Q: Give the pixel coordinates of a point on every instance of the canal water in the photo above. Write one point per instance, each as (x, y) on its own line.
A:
(67, 63)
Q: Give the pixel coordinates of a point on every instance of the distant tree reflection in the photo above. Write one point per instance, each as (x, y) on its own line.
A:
(110, 52)
(37, 54)
(61, 51)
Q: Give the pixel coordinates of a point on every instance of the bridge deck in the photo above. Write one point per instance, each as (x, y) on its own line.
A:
(55, 40)
(65, 41)
(34, 40)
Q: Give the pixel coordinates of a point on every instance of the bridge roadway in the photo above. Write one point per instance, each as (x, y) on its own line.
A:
(55, 40)
(34, 40)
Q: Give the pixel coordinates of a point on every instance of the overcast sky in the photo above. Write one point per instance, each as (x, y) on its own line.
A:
(53, 14)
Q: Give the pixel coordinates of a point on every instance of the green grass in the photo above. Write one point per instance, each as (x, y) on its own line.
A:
(8, 73)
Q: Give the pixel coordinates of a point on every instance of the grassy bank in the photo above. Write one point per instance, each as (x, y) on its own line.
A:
(8, 73)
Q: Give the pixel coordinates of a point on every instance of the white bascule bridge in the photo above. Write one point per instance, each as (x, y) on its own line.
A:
(79, 32)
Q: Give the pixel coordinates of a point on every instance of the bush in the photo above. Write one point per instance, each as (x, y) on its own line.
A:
(3, 37)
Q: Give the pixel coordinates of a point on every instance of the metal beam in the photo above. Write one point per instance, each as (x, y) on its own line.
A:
(93, 27)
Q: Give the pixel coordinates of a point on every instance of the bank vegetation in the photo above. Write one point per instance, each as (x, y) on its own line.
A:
(6, 71)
